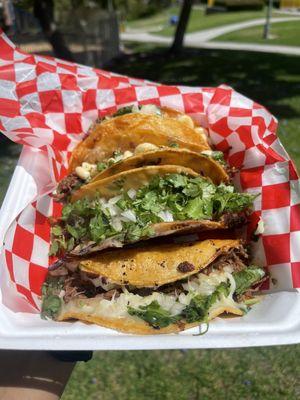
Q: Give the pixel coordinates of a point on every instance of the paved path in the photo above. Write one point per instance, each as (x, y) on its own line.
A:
(144, 37)
(209, 34)
(263, 48)
(202, 39)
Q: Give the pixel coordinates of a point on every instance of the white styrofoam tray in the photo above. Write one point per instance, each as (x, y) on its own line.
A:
(276, 320)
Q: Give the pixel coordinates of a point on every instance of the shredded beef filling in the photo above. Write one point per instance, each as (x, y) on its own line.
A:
(235, 220)
(79, 285)
(66, 187)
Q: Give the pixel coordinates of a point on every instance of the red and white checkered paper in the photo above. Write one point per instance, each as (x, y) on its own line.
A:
(49, 104)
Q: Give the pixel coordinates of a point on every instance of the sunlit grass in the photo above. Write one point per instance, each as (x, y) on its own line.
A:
(261, 373)
(198, 21)
(281, 33)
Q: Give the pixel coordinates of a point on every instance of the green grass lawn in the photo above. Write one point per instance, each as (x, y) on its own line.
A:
(284, 33)
(153, 21)
(198, 20)
(241, 374)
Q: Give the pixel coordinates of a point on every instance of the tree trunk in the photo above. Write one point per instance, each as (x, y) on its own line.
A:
(44, 12)
(181, 27)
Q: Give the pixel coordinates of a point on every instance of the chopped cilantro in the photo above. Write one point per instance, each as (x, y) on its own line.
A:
(117, 154)
(97, 228)
(101, 166)
(56, 230)
(247, 277)
(199, 306)
(183, 197)
(218, 156)
(73, 231)
(123, 111)
(154, 315)
(198, 309)
(51, 302)
(54, 248)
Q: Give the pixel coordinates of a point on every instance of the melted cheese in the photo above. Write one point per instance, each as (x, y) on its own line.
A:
(117, 307)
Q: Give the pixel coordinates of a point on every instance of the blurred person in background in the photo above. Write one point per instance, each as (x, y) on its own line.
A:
(8, 17)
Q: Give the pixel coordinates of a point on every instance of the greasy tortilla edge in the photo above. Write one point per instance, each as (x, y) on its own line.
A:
(140, 327)
(90, 189)
(125, 164)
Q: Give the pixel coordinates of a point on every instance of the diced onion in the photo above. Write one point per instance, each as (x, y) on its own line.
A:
(131, 193)
(129, 215)
(207, 152)
(115, 199)
(127, 154)
(232, 285)
(90, 168)
(113, 210)
(116, 224)
(166, 216)
(82, 173)
(177, 308)
(150, 109)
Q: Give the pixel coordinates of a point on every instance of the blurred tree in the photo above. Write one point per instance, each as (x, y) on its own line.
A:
(182, 25)
(129, 9)
(46, 10)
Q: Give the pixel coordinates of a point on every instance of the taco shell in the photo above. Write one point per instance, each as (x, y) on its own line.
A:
(131, 324)
(132, 179)
(154, 266)
(199, 163)
(127, 131)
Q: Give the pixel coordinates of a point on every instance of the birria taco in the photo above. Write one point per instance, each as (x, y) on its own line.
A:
(154, 289)
(143, 203)
(122, 141)
(142, 174)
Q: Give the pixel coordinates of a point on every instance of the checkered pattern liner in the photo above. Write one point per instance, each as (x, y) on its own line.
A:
(49, 103)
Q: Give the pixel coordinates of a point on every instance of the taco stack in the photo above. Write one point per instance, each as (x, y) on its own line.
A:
(138, 184)
(135, 137)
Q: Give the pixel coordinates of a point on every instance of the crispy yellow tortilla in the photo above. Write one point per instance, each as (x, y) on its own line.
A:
(132, 179)
(134, 325)
(127, 131)
(199, 163)
(156, 265)
(159, 229)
